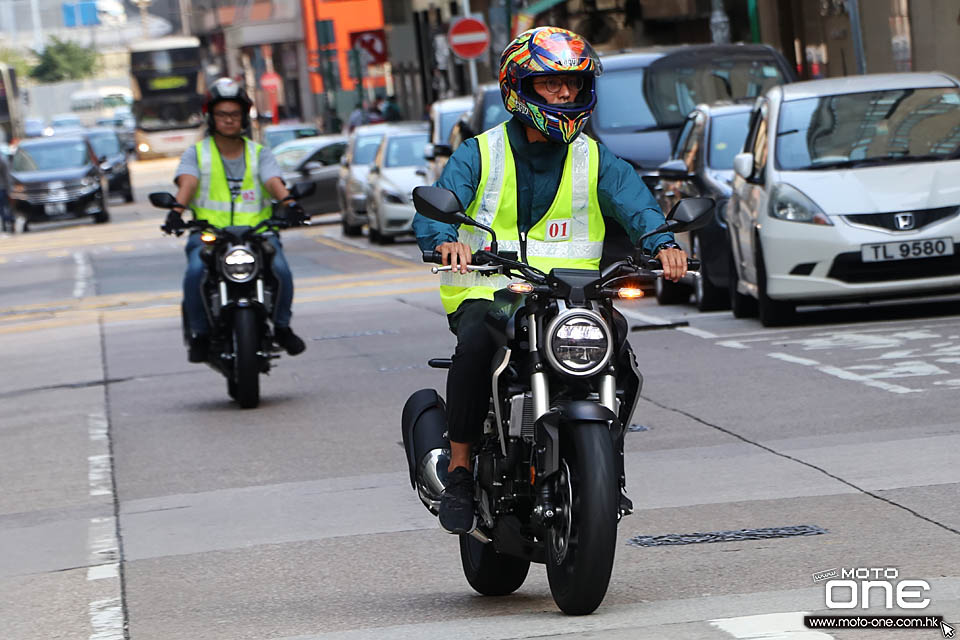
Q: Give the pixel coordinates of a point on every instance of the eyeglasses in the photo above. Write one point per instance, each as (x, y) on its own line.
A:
(553, 84)
(228, 115)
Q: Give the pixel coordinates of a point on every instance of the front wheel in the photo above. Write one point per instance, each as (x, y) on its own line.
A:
(246, 365)
(773, 313)
(582, 538)
(488, 572)
(708, 296)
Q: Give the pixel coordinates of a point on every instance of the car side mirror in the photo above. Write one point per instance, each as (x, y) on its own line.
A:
(163, 200)
(674, 170)
(439, 204)
(428, 151)
(343, 161)
(310, 167)
(743, 165)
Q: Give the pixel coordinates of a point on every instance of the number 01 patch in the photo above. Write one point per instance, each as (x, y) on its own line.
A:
(558, 230)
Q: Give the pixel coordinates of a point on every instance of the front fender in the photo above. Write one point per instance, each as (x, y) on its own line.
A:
(566, 416)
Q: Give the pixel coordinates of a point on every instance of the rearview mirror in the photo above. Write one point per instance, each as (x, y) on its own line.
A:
(303, 189)
(439, 204)
(689, 214)
(163, 200)
(310, 167)
(743, 165)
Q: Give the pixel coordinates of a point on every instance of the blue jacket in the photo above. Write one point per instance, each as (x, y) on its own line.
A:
(623, 195)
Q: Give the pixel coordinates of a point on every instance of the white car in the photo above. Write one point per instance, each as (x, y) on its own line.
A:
(848, 189)
(397, 169)
(443, 115)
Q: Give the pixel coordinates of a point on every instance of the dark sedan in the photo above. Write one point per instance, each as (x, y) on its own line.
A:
(315, 160)
(701, 165)
(113, 160)
(57, 178)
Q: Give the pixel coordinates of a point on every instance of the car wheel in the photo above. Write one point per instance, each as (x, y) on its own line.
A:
(708, 296)
(128, 193)
(773, 313)
(351, 230)
(104, 215)
(671, 292)
(742, 305)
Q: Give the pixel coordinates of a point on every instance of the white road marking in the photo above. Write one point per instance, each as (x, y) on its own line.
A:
(102, 541)
(700, 333)
(99, 473)
(733, 344)
(844, 374)
(106, 619)
(644, 317)
(103, 571)
(81, 279)
(770, 626)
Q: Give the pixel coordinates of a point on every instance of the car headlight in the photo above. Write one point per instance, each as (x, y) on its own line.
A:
(788, 203)
(143, 147)
(18, 189)
(578, 342)
(88, 181)
(393, 198)
(239, 265)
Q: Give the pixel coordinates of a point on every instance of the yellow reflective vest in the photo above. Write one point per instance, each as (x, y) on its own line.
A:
(212, 200)
(569, 235)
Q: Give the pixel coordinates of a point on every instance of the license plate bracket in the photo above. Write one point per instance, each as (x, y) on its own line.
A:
(55, 208)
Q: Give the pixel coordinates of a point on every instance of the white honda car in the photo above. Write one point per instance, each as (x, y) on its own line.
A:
(848, 189)
(397, 169)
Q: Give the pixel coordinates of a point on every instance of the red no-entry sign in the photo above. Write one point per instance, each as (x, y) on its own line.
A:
(469, 38)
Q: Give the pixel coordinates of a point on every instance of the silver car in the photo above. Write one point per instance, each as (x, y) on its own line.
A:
(398, 168)
(315, 160)
(352, 180)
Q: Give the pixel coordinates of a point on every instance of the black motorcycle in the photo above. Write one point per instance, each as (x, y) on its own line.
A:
(549, 465)
(239, 294)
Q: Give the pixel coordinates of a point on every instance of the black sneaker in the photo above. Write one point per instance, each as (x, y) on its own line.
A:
(291, 342)
(457, 514)
(199, 348)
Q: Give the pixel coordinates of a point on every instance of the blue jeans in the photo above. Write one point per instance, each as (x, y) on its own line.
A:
(196, 272)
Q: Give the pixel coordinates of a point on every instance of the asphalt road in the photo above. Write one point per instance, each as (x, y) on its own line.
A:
(139, 502)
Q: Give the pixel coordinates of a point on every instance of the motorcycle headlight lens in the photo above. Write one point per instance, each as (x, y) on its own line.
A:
(579, 343)
(239, 265)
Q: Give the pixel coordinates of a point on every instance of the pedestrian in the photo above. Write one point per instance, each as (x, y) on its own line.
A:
(6, 212)
(357, 117)
(391, 110)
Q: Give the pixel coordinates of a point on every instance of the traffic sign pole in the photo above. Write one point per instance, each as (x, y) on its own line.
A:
(472, 63)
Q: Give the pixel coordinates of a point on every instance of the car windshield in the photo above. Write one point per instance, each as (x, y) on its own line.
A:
(290, 155)
(50, 157)
(674, 89)
(273, 138)
(871, 128)
(618, 109)
(105, 144)
(365, 148)
(447, 120)
(493, 111)
(727, 134)
(405, 151)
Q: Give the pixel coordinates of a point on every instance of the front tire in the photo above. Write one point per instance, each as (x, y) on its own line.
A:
(579, 567)
(246, 365)
(708, 296)
(488, 572)
(773, 313)
(743, 306)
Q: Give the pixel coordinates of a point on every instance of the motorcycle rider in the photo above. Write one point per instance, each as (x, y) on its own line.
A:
(231, 167)
(534, 180)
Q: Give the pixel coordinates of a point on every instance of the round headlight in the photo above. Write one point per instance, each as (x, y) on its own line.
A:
(239, 265)
(578, 342)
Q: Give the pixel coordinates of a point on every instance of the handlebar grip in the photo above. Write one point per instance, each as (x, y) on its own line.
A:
(432, 257)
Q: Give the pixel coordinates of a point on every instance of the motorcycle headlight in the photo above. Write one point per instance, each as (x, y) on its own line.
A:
(578, 342)
(788, 203)
(239, 265)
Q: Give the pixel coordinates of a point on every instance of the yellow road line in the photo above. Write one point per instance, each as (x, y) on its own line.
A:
(346, 248)
(77, 318)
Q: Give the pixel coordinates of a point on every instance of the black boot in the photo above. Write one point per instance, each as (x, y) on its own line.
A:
(199, 348)
(291, 342)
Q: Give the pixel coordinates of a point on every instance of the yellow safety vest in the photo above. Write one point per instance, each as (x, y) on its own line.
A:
(211, 202)
(570, 234)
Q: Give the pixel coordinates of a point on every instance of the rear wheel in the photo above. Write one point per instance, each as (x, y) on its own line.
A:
(351, 230)
(488, 572)
(246, 365)
(582, 538)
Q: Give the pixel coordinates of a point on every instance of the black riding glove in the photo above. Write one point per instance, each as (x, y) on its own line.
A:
(174, 223)
(293, 213)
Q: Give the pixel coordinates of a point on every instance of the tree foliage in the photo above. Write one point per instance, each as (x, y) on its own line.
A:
(17, 60)
(64, 61)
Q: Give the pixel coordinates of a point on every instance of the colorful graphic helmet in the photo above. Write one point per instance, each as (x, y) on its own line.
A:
(226, 89)
(548, 51)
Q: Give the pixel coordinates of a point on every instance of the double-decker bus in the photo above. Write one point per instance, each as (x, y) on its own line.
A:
(166, 76)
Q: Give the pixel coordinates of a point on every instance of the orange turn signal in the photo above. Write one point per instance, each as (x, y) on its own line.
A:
(630, 293)
(208, 237)
(520, 287)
